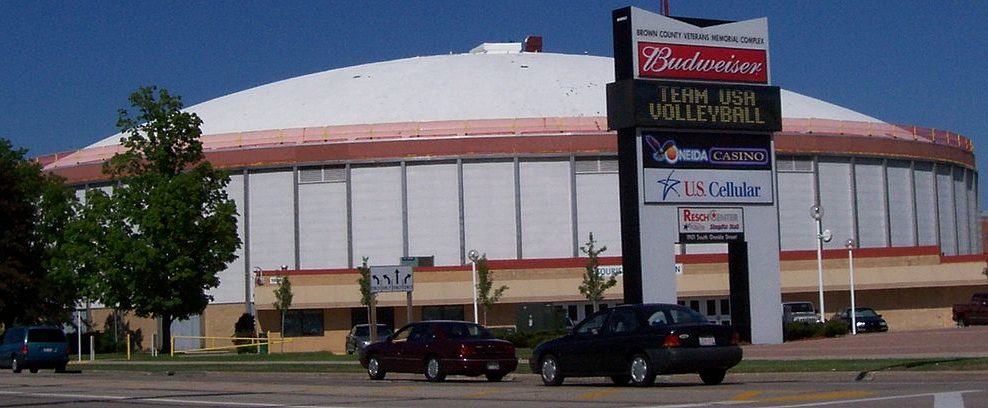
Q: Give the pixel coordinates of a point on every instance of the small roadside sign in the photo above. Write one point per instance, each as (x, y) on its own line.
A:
(391, 278)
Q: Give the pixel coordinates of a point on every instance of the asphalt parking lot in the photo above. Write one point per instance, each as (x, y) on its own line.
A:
(969, 341)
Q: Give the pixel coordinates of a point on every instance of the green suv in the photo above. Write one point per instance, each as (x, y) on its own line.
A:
(34, 348)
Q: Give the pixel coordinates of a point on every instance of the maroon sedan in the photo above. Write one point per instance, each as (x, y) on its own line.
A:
(439, 348)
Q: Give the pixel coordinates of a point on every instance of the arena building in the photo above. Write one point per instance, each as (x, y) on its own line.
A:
(508, 153)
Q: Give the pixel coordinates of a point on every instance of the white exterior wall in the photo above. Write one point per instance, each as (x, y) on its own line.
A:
(926, 203)
(900, 198)
(322, 225)
(377, 218)
(489, 208)
(870, 199)
(232, 279)
(598, 211)
(546, 210)
(796, 196)
(960, 203)
(974, 212)
(946, 210)
(272, 219)
(433, 212)
(835, 198)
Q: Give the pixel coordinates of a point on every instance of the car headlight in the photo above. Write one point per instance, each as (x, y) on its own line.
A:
(861, 323)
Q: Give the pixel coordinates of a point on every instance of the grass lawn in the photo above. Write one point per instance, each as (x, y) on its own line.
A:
(328, 362)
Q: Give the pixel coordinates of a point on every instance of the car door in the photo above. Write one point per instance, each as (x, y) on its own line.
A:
(391, 355)
(418, 346)
(612, 347)
(576, 354)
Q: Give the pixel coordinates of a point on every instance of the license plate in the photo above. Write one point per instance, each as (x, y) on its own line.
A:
(708, 341)
(47, 350)
(493, 365)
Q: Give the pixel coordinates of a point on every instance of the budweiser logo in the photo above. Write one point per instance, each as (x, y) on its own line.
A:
(705, 63)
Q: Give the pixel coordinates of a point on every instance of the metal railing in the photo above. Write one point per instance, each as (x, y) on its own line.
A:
(212, 343)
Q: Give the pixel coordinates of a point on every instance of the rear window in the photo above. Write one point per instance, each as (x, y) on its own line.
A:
(45, 336)
(465, 331)
(365, 331)
(677, 315)
(800, 307)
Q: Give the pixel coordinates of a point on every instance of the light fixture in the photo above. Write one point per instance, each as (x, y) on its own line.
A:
(474, 255)
(850, 266)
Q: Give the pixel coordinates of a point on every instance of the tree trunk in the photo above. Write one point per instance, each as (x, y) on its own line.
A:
(166, 334)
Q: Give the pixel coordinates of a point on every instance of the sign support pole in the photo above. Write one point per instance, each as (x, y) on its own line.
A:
(408, 312)
(373, 317)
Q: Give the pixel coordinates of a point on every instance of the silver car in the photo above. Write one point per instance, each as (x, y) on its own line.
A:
(359, 336)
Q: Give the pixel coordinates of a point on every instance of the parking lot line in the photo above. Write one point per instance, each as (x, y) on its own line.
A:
(597, 394)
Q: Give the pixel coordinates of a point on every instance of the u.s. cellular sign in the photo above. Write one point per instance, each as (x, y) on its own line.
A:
(698, 49)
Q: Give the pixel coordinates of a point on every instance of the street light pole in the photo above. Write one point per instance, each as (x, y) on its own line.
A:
(257, 281)
(850, 267)
(473, 289)
(816, 212)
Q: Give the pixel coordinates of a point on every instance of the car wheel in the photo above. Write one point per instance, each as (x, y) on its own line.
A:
(549, 369)
(713, 377)
(34, 370)
(495, 377)
(640, 371)
(433, 371)
(15, 365)
(374, 369)
(620, 379)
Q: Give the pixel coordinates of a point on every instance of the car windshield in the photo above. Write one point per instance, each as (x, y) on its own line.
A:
(800, 307)
(865, 313)
(465, 331)
(45, 336)
(675, 315)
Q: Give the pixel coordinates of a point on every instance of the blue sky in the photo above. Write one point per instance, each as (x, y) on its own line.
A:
(68, 66)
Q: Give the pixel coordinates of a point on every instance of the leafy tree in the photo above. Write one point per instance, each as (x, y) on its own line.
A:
(594, 283)
(364, 282)
(486, 293)
(283, 301)
(35, 209)
(168, 228)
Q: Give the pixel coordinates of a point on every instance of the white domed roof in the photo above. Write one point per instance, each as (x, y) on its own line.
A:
(444, 87)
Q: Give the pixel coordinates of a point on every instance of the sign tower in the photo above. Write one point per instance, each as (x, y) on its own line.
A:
(694, 113)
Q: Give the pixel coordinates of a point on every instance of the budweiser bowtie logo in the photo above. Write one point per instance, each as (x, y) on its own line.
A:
(656, 60)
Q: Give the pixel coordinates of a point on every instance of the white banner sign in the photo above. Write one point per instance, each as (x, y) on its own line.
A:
(689, 186)
(391, 279)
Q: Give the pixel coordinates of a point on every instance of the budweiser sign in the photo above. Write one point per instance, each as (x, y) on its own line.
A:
(658, 60)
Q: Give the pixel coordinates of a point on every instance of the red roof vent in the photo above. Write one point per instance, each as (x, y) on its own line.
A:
(533, 43)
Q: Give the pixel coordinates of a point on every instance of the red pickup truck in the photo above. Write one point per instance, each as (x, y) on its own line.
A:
(976, 312)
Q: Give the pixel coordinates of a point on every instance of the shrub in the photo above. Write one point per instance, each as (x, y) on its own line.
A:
(803, 330)
(531, 339)
(834, 328)
(245, 328)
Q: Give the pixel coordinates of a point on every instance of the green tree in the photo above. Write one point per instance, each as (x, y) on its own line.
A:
(594, 283)
(486, 293)
(283, 301)
(35, 209)
(169, 225)
(364, 283)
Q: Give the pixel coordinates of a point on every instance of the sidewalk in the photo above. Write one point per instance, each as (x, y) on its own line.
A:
(933, 343)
